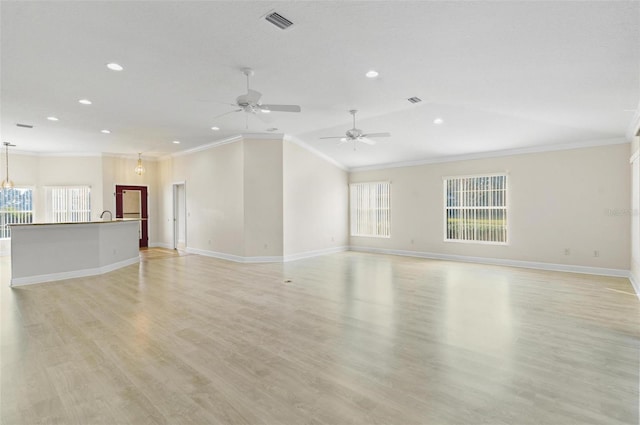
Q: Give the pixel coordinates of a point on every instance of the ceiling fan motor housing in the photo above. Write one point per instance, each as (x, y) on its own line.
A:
(354, 133)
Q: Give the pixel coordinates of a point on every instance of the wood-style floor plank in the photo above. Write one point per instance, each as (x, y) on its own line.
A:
(354, 338)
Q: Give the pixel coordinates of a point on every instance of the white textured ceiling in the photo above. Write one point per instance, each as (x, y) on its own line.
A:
(502, 75)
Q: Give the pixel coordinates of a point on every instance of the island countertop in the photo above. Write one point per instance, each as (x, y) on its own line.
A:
(117, 220)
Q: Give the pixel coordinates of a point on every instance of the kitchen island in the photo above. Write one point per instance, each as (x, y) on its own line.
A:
(44, 252)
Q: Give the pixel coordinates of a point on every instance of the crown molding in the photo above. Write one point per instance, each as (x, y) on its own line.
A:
(634, 126)
(314, 151)
(55, 154)
(495, 154)
(130, 156)
(208, 146)
(81, 155)
(262, 136)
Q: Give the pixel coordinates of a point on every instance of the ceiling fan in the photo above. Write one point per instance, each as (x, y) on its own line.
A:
(356, 135)
(250, 102)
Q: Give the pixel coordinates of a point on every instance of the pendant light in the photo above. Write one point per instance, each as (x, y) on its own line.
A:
(6, 183)
(139, 170)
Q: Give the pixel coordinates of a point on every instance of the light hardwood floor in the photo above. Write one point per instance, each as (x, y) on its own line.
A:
(354, 338)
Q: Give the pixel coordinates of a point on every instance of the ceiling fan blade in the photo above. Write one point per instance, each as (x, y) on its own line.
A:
(332, 137)
(216, 102)
(281, 108)
(227, 113)
(377, 135)
(367, 141)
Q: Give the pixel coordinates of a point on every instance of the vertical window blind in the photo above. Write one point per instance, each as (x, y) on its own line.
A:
(68, 204)
(370, 205)
(16, 207)
(476, 208)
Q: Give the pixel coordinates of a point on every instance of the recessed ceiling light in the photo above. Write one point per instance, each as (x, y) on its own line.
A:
(115, 66)
(85, 101)
(105, 131)
(372, 74)
(176, 142)
(215, 128)
(52, 118)
(438, 121)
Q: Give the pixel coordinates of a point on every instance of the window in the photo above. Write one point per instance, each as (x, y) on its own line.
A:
(16, 207)
(68, 204)
(371, 209)
(476, 208)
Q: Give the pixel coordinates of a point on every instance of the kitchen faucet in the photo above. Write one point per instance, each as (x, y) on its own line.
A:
(110, 215)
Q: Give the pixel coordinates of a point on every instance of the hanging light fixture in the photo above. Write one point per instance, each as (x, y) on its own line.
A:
(139, 170)
(6, 183)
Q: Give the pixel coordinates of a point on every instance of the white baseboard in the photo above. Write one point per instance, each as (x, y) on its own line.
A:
(235, 258)
(499, 262)
(315, 253)
(635, 282)
(19, 281)
(267, 259)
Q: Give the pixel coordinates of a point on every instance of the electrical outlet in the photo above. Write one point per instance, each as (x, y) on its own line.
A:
(412, 241)
(567, 251)
(596, 253)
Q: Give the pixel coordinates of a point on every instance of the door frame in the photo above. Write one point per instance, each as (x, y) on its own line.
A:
(144, 210)
(176, 211)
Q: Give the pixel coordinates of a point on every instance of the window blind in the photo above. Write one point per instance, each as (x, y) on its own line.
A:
(370, 205)
(476, 208)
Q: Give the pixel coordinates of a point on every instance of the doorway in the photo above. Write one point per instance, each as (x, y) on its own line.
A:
(179, 216)
(131, 202)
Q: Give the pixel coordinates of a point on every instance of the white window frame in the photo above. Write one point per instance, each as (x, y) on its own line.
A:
(504, 207)
(61, 207)
(32, 211)
(370, 218)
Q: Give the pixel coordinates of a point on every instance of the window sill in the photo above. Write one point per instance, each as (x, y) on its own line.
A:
(476, 242)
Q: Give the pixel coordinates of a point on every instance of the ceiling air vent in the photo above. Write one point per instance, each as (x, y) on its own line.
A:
(278, 20)
(414, 99)
(24, 125)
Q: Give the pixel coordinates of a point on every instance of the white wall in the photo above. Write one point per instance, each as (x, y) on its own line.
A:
(635, 214)
(256, 199)
(214, 181)
(69, 171)
(557, 200)
(38, 172)
(295, 202)
(165, 203)
(315, 201)
(262, 198)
